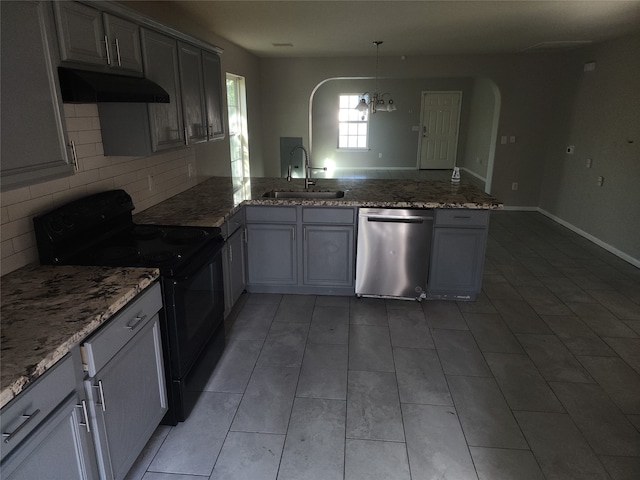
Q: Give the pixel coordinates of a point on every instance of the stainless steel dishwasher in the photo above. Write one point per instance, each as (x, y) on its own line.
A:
(392, 259)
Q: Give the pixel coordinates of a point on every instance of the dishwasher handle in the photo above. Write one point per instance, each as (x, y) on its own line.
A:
(398, 219)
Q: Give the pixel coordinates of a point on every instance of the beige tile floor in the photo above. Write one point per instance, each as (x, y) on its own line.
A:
(537, 379)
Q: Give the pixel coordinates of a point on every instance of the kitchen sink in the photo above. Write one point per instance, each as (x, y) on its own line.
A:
(304, 194)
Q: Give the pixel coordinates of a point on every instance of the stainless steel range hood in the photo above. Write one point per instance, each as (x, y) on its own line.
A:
(81, 86)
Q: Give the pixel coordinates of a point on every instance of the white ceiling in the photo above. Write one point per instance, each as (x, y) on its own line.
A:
(348, 28)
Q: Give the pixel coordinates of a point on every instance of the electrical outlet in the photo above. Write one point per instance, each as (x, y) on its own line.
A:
(380, 155)
(600, 181)
(589, 162)
(514, 186)
(512, 139)
(503, 140)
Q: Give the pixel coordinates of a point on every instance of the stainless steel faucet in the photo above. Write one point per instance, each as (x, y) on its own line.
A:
(307, 167)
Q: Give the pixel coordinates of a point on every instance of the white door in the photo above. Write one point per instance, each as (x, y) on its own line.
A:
(440, 118)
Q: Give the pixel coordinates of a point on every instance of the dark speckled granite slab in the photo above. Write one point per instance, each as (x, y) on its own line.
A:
(46, 310)
(211, 202)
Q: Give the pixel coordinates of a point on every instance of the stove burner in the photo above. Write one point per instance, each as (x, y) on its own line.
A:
(146, 232)
(182, 236)
(118, 254)
(160, 256)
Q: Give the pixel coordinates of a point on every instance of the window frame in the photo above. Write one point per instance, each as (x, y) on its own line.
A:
(351, 113)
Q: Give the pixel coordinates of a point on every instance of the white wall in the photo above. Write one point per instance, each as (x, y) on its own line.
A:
(478, 140)
(391, 133)
(600, 110)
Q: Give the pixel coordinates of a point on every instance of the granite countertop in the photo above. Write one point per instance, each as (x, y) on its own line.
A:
(211, 202)
(47, 310)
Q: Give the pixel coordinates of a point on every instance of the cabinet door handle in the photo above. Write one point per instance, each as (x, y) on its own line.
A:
(136, 321)
(117, 44)
(107, 49)
(101, 392)
(28, 418)
(74, 155)
(230, 254)
(83, 406)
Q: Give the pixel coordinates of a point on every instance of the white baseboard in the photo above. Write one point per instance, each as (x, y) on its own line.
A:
(618, 253)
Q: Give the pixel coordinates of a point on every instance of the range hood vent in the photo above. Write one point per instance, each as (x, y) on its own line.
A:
(81, 86)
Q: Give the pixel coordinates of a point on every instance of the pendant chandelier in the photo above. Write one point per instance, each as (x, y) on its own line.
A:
(375, 102)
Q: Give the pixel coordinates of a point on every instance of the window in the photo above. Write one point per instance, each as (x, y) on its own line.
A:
(238, 136)
(353, 125)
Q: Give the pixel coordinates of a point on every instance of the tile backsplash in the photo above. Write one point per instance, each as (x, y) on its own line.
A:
(149, 180)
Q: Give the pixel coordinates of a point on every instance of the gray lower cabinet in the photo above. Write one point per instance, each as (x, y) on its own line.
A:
(45, 430)
(30, 97)
(308, 250)
(457, 255)
(272, 254)
(61, 449)
(234, 263)
(125, 386)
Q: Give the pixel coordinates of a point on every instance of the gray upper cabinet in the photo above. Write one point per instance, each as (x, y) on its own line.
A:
(213, 95)
(124, 42)
(30, 97)
(94, 38)
(160, 56)
(193, 104)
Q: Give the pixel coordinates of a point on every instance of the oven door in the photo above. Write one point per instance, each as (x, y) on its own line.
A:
(194, 307)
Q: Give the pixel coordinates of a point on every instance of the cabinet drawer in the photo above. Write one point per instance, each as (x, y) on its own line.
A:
(108, 340)
(461, 218)
(328, 215)
(270, 214)
(35, 403)
(233, 223)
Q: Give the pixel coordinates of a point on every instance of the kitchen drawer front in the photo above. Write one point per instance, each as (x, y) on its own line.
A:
(100, 347)
(270, 214)
(328, 215)
(461, 217)
(233, 223)
(34, 404)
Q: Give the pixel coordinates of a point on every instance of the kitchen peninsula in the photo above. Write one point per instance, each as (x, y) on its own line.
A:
(301, 245)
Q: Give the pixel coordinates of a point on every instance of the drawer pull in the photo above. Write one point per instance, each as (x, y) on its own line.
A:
(136, 321)
(27, 418)
(462, 217)
(83, 406)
